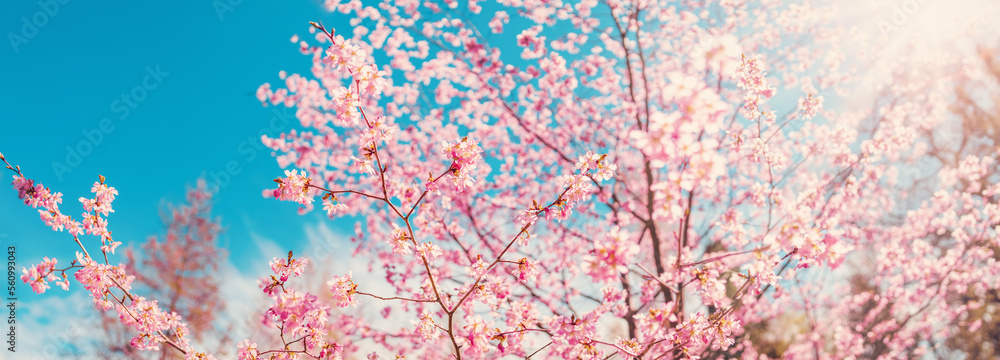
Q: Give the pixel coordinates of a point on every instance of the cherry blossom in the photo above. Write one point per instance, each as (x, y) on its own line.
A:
(672, 180)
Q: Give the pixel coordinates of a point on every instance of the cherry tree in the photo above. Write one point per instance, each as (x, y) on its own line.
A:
(636, 179)
(639, 172)
(979, 130)
(180, 269)
(948, 213)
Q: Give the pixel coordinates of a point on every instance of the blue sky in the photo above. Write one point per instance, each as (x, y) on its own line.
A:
(175, 85)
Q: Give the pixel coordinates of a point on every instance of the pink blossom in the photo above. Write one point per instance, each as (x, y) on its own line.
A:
(301, 315)
(343, 290)
(478, 268)
(346, 54)
(761, 273)
(611, 255)
(592, 161)
(101, 203)
(377, 133)
(630, 179)
(247, 350)
(533, 45)
(147, 318)
(499, 19)
(332, 206)
(294, 187)
(628, 348)
(429, 250)
(477, 335)
(400, 241)
(810, 105)
(464, 155)
(285, 268)
(370, 80)
(426, 328)
(39, 275)
(526, 270)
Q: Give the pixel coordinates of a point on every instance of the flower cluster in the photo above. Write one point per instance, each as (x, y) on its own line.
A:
(96, 207)
(534, 45)
(298, 315)
(526, 270)
(37, 195)
(343, 290)
(751, 78)
(810, 105)
(99, 279)
(375, 134)
(611, 255)
(478, 268)
(345, 103)
(429, 250)
(464, 155)
(109, 285)
(39, 275)
(573, 336)
(628, 348)
(294, 187)
(286, 268)
(591, 161)
(247, 350)
(346, 54)
(370, 80)
(103, 196)
(760, 273)
(146, 317)
(332, 205)
(477, 335)
(426, 328)
(400, 241)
